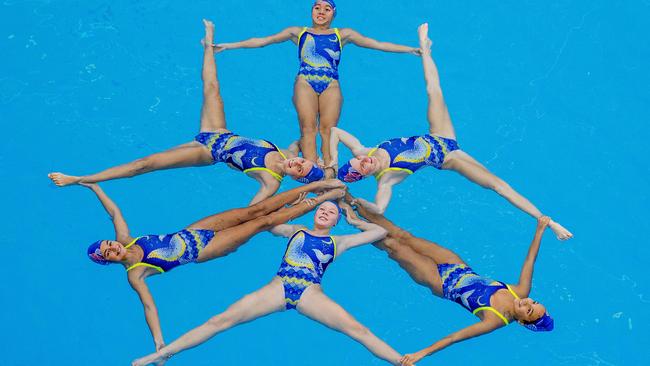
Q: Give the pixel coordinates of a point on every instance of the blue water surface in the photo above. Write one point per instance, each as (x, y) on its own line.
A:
(550, 95)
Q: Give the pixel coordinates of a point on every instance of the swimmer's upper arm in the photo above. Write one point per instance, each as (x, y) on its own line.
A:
(268, 186)
(290, 33)
(285, 230)
(349, 140)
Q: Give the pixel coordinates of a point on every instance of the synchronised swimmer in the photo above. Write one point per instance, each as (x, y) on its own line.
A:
(310, 251)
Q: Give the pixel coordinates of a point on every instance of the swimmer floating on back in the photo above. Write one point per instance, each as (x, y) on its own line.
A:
(259, 159)
(395, 159)
(296, 286)
(212, 237)
(317, 95)
(442, 271)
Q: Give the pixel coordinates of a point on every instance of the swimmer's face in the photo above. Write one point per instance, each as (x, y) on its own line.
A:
(112, 251)
(322, 13)
(366, 165)
(297, 167)
(528, 310)
(327, 215)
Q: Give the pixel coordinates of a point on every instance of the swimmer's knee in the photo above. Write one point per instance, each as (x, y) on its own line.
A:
(325, 131)
(220, 321)
(307, 128)
(434, 92)
(141, 166)
(401, 234)
(358, 331)
(498, 186)
(211, 89)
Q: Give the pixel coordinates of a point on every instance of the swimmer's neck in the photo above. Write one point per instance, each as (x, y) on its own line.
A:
(134, 254)
(317, 27)
(320, 231)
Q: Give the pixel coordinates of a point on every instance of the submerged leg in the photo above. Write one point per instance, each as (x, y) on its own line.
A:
(212, 113)
(267, 300)
(461, 162)
(306, 102)
(229, 240)
(190, 154)
(239, 216)
(437, 112)
(317, 306)
(329, 104)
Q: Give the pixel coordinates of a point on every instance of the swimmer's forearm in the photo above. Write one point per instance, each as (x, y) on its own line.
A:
(396, 48)
(153, 322)
(526, 276)
(111, 208)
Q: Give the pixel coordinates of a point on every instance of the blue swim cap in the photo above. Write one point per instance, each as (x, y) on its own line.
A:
(330, 2)
(348, 174)
(95, 254)
(315, 174)
(544, 324)
(338, 208)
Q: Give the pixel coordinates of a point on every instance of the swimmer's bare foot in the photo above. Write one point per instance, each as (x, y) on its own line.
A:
(63, 180)
(560, 232)
(423, 34)
(154, 358)
(208, 40)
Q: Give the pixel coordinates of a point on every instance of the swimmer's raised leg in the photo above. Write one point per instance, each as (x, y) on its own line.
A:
(458, 160)
(186, 155)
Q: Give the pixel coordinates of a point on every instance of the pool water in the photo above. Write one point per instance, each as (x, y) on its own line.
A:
(551, 96)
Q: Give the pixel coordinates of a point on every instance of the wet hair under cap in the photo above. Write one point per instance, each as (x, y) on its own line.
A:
(315, 174)
(348, 174)
(544, 324)
(95, 253)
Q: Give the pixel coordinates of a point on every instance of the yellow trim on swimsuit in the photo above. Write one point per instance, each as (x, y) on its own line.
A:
(140, 264)
(274, 174)
(335, 250)
(264, 169)
(378, 176)
(495, 311)
(304, 29)
(338, 35)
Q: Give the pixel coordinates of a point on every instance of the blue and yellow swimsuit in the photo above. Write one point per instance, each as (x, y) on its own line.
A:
(473, 292)
(304, 263)
(240, 153)
(166, 252)
(319, 55)
(408, 154)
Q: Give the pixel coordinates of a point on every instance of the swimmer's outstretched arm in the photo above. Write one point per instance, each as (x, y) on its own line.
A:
(348, 140)
(383, 195)
(526, 277)
(136, 280)
(370, 233)
(290, 33)
(119, 223)
(349, 35)
(474, 330)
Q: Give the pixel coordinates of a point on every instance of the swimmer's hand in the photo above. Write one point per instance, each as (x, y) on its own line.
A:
(350, 216)
(328, 184)
(411, 359)
(416, 52)
(220, 47)
(542, 223)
